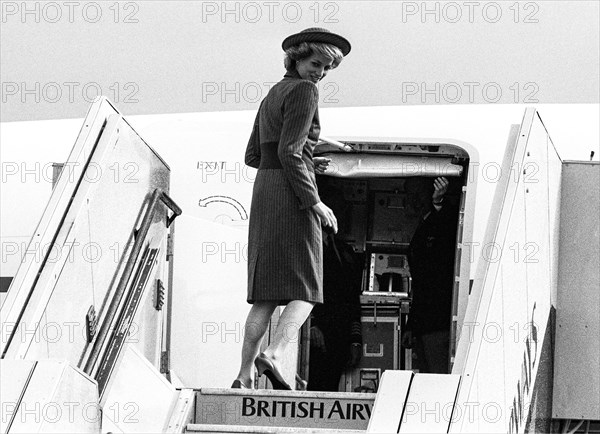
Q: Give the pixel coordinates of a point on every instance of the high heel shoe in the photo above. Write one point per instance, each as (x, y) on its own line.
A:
(301, 384)
(266, 366)
(239, 384)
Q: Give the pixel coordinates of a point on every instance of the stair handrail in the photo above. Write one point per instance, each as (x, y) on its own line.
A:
(140, 237)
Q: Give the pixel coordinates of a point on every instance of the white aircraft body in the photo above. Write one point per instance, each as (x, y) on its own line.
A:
(127, 256)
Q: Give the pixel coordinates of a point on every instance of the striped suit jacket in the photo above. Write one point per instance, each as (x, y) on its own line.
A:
(289, 116)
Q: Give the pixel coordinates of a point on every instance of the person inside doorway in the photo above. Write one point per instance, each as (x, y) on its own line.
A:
(431, 260)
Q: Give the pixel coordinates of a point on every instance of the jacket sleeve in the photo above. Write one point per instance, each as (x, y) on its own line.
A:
(252, 158)
(299, 109)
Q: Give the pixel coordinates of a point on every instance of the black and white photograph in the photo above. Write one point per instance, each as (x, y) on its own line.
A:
(300, 216)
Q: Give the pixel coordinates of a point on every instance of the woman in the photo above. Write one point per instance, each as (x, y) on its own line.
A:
(285, 265)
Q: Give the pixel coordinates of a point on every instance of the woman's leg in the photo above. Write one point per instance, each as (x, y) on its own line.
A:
(288, 328)
(254, 330)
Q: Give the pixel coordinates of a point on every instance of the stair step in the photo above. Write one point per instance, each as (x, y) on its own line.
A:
(263, 429)
(283, 409)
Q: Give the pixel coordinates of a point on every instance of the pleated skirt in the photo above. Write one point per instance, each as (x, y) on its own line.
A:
(285, 252)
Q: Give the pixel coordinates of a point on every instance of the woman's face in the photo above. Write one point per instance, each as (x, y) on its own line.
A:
(314, 67)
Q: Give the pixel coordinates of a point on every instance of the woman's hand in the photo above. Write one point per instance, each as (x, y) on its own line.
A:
(326, 215)
(321, 164)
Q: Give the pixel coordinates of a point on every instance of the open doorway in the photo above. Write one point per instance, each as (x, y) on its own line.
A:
(391, 268)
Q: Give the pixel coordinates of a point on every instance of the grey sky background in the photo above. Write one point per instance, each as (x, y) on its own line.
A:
(153, 57)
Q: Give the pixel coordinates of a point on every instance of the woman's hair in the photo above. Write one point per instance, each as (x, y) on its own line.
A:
(307, 49)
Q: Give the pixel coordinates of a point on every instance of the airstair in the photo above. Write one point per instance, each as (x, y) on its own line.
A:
(87, 312)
